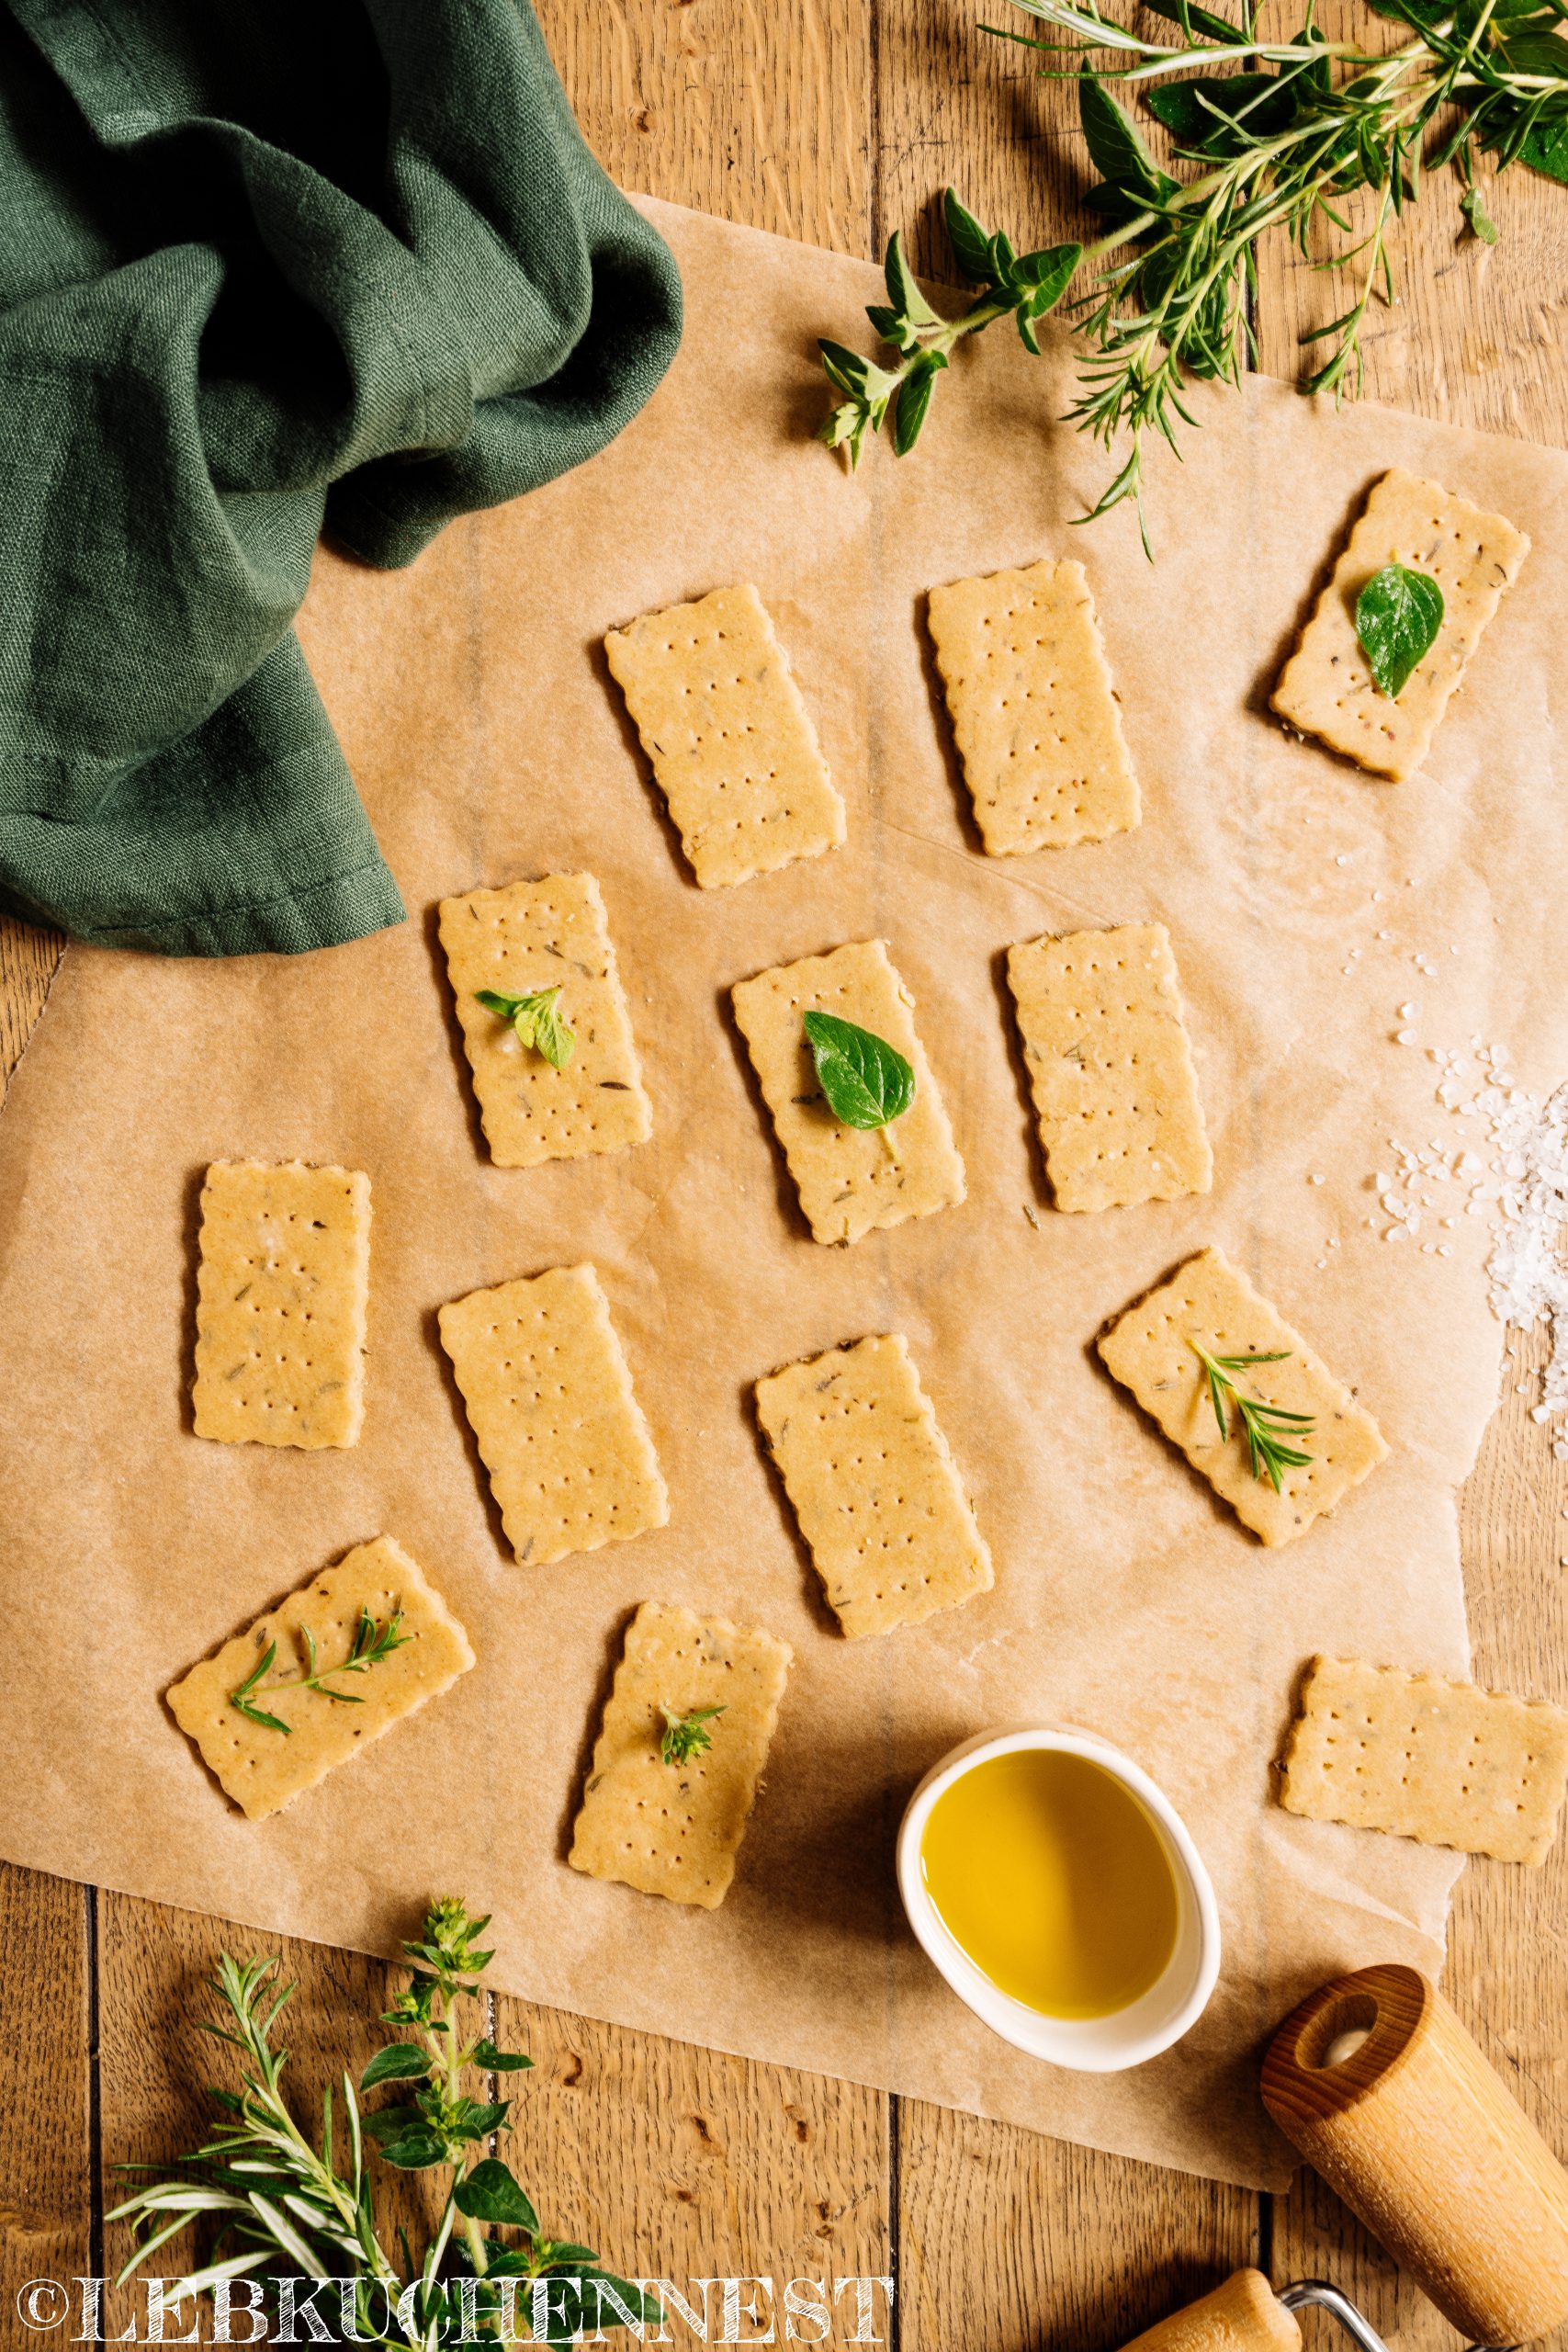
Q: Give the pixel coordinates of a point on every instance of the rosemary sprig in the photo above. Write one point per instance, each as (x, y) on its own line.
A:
(686, 1736)
(1271, 134)
(299, 2212)
(371, 1643)
(1264, 1426)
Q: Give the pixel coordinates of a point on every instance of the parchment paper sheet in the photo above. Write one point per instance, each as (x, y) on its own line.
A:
(477, 714)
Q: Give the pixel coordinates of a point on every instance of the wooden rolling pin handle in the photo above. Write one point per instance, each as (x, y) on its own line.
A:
(1244, 2315)
(1384, 2093)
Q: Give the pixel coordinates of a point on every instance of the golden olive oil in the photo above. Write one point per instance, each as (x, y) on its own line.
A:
(1053, 1879)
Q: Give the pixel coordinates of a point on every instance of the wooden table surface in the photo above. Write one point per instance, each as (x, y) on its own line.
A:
(836, 121)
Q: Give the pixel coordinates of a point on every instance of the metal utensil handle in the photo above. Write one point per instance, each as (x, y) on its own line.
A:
(1329, 2299)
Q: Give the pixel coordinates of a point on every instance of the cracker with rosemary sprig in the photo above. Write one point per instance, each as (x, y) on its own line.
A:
(320, 1677)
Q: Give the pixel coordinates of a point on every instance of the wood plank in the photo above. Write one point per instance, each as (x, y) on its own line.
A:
(45, 2085)
(956, 105)
(1007, 2238)
(1004, 2236)
(758, 115)
(28, 960)
(682, 2164)
(1474, 336)
(1475, 332)
(1509, 1924)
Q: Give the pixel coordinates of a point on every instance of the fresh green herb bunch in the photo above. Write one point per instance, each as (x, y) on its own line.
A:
(1269, 134)
(291, 2207)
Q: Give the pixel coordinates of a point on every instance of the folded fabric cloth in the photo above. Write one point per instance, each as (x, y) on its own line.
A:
(266, 269)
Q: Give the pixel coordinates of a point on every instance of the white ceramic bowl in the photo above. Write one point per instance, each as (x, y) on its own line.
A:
(1093, 2045)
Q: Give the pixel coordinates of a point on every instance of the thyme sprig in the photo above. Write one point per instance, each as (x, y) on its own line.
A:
(371, 1643)
(1264, 1427)
(1271, 134)
(686, 1736)
(299, 2211)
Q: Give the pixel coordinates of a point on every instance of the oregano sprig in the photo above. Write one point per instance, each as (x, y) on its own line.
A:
(1022, 286)
(537, 1020)
(1266, 1428)
(371, 1643)
(686, 1736)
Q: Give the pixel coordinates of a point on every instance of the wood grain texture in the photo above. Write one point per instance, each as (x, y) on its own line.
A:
(1504, 1975)
(46, 2171)
(29, 959)
(835, 121)
(1474, 334)
(1008, 2239)
(679, 2163)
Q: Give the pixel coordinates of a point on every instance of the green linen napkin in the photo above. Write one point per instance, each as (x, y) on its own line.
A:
(267, 267)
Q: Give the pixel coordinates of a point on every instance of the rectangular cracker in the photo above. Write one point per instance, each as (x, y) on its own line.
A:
(550, 1397)
(874, 1486)
(263, 1769)
(1033, 710)
(709, 689)
(1325, 688)
(851, 1180)
(675, 1829)
(282, 1288)
(1444, 1762)
(520, 939)
(1149, 1350)
(1110, 1068)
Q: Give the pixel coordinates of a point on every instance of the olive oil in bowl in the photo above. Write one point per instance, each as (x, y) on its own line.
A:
(1059, 1893)
(1053, 1879)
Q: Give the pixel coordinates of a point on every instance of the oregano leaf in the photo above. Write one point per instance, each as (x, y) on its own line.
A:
(970, 246)
(400, 2062)
(902, 291)
(1398, 615)
(489, 2193)
(867, 1082)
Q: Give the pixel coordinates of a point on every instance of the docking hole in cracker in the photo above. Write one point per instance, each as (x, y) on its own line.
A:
(874, 1486)
(1110, 1065)
(1034, 713)
(413, 1650)
(851, 1180)
(1327, 689)
(282, 1288)
(1152, 1350)
(1447, 1763)
(731, 744)
(674, 1827)
(522, 939)
(549, 1399)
